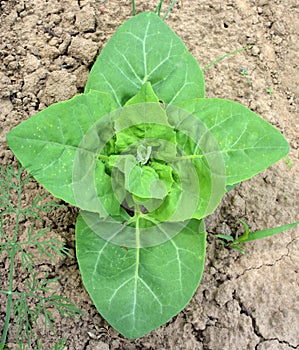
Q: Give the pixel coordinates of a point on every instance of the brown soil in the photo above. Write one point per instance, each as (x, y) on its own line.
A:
(244, 302)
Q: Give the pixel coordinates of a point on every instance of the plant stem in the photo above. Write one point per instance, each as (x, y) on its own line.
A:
(169, 9)
(226, 55)
(133, 8)
(6, 292)
(9, 300)
(158, 8)
(14, 249)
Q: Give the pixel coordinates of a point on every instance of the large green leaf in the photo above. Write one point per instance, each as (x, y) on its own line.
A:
(247, 142)
(144, 49)
(138, 289)
(48, 143)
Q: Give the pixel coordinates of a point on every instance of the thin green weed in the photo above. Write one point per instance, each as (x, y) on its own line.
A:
(36, 297)
(158, 8)
(238, 241)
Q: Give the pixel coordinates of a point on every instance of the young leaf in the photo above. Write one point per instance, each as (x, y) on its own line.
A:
(145, 124)
(144, 182)
(225, 237)
(146, 94)
(144, 49)
(138, 289)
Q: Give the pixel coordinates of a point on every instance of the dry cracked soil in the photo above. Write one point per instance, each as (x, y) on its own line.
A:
(244, 301)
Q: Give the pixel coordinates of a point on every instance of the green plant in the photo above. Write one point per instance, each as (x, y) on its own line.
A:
(289, 162)
(227, 55)
(60, 345)
(238, 241)
(244, 72)
(146, 157)
(270, 90)
(36, 296)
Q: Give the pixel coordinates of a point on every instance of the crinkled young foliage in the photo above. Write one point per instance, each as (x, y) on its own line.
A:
(146, 157)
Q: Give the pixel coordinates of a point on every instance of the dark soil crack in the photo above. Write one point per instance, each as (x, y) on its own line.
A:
(288, 255)
(279, 341)
(255, 327)
(198, 334)
(288, 249)
(86, 345)
(247, 313)
(261, 266)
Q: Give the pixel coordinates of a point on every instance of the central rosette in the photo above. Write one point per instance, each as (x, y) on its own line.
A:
(157, 167)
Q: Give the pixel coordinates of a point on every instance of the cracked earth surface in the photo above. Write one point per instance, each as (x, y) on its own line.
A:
(244, 302)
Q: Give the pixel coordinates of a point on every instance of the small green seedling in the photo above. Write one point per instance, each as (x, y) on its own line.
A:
(146, 157)
(270, 91)
(289, 162)
(36, 298)
(237, 243)
(244, 72)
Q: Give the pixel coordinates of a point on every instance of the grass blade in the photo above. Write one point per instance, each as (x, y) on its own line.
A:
(226, 55)
(133, 8)
(169, 9)
(158, 8)
(252, 236)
